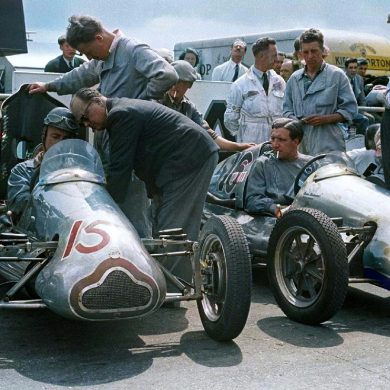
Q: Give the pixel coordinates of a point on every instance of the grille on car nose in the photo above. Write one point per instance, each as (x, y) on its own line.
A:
(117, 291)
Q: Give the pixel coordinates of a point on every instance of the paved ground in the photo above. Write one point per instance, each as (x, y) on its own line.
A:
(169, 350)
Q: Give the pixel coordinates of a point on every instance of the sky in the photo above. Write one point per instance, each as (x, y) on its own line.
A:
(162, 23)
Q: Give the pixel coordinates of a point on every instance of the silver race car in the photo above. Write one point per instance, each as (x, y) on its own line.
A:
(336, 231)
(74, 252)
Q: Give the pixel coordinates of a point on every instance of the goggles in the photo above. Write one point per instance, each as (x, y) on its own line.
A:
(54, 119)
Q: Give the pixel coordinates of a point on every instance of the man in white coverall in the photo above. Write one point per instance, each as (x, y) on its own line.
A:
(256, 98)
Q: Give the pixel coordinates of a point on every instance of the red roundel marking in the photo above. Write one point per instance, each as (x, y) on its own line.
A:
(91, 229)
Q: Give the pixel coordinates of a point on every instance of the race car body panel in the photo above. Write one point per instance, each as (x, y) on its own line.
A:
(338, 192)
(100, 269)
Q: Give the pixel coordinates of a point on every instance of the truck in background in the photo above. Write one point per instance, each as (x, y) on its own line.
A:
(342, 44)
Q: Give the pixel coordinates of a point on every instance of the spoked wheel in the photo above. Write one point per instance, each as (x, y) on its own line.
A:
(308, 266)
(226, 278)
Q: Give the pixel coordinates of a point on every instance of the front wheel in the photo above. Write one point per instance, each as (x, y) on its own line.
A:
(307, 266)
(226, 278)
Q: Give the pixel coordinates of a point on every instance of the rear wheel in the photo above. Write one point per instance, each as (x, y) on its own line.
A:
(307, 266)
(226, 278)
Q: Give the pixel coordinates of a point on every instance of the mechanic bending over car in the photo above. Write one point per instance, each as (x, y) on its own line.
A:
(271, 180)
(175, 98)
(168, 151)
(59, 124)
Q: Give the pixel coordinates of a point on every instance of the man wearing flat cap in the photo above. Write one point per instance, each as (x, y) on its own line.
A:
(231, 70)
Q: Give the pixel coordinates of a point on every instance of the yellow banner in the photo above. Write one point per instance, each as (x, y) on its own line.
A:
(374, 62)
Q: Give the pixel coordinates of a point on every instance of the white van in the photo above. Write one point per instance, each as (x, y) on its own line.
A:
(342, 44)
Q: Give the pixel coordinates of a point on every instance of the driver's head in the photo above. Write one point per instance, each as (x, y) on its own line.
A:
(286, 135)
(59, 124)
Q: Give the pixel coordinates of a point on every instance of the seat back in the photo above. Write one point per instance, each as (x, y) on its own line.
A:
(230, 176)
(22, 120)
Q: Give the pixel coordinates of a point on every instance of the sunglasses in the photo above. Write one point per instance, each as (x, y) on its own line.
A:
(57, 119)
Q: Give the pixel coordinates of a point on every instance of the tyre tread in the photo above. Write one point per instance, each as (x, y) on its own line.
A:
(239, 274)
(336, 278)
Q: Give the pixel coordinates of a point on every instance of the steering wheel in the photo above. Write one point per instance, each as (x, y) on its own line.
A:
(305, 172)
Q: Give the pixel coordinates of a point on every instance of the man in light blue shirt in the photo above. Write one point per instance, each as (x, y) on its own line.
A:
(321, 95)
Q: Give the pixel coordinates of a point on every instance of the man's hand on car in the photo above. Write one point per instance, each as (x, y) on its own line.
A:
(37, 88)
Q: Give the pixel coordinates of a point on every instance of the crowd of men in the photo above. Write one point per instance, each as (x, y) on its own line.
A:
(154, 143)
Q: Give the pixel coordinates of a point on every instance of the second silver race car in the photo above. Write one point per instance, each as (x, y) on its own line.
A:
(336, 232)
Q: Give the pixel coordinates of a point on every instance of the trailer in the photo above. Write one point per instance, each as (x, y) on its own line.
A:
(342, 44)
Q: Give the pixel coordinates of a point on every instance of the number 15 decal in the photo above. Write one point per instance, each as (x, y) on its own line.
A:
(77, 244)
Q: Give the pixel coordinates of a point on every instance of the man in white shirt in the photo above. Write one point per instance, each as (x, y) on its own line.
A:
(231, 70)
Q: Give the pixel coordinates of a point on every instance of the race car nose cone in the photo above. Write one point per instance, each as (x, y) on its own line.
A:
(116, 289)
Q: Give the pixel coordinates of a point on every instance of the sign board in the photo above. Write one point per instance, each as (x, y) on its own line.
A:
(209, 98)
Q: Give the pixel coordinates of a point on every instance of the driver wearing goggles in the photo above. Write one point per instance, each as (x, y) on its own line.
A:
(59, 124)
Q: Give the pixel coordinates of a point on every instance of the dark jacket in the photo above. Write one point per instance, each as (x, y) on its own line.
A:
(58, 65)
(160, 144)
(357, 84)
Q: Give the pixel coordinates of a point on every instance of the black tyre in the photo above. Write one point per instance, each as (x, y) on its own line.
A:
(226, 278)
(307, 266)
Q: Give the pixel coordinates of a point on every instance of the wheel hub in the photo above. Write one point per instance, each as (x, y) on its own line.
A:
(213, 278)
(301, 265)
(300, 273)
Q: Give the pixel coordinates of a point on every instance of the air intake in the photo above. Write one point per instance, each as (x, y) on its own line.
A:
(118, 291)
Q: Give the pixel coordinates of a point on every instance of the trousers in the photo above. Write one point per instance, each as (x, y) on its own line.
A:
(179, 205)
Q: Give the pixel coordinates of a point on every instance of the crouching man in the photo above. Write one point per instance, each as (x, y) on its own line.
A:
(59, 124)
(173, 155)
(272, 178)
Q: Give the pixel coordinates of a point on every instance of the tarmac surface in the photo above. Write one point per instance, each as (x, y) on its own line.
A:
(170, 350)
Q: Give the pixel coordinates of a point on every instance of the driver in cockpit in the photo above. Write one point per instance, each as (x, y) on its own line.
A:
(59, 124)
(269, 186)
